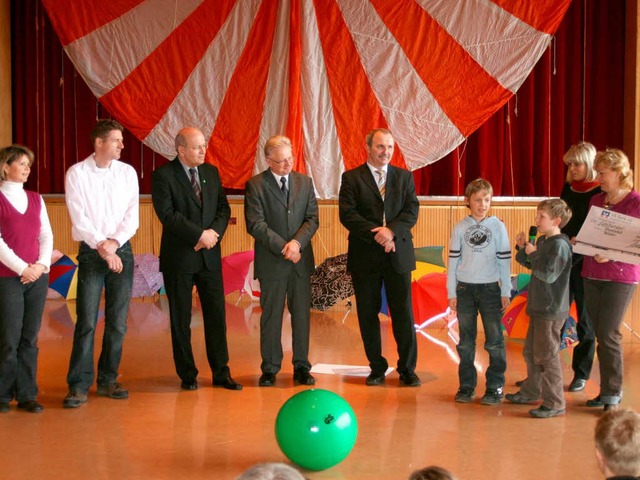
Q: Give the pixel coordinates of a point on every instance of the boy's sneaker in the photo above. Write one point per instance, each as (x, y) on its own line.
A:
(465, 395)
(115, 391)
(493, 396)
(545, 412)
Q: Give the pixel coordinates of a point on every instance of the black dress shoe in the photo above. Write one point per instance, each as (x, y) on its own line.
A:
(595, 402)
(303, 377)
(4, 407)
(375, 379)
(267, 380)
(577, 385)
(228, 383)
(410, 380)
(30, 406)
(189, 385)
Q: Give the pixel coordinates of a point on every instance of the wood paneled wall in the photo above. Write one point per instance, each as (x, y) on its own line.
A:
(435, 222)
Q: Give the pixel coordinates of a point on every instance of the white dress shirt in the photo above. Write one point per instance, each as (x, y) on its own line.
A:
(15, 194)
(102, 202)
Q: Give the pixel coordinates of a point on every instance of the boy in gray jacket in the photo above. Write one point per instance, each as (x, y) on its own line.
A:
(547, 307)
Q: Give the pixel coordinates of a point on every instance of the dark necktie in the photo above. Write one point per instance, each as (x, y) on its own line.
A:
(284, 188)
(195, 186)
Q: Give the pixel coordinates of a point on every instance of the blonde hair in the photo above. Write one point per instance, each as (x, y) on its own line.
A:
(617, 438)
(279, 141)
(556, 208)
(10, 154)
(476, 186)
(582, 153)
(617, 161)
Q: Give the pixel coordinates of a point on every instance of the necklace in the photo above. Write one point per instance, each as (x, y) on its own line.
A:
(610, 200)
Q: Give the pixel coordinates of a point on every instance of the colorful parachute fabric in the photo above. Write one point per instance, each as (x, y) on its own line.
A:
(323, 72)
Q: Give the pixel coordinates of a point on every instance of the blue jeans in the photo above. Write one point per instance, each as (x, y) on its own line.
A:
(21, 309)
(93, 276)
(486, 299)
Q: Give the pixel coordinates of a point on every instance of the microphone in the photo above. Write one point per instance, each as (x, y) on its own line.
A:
(533, 233)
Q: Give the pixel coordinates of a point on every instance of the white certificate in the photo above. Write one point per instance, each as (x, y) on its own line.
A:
(613, 235)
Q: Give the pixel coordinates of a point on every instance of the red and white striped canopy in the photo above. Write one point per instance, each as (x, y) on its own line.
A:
(323, 72)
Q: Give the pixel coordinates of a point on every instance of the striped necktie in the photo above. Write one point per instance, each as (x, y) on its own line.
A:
(382, 182)
(194, 185)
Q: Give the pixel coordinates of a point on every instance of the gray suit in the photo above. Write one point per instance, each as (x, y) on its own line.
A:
(273, 222)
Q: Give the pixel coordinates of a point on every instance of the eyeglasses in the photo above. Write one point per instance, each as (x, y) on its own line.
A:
(291, 159)
(197, 147)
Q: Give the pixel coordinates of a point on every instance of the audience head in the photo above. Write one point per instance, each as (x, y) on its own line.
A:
(11, 154)
(616, 161)
(432, 473)
(271, 471)
(556, 209)
(617, 438)
(579, 160)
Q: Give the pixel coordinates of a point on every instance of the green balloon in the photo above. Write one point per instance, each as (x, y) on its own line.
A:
(316, 429)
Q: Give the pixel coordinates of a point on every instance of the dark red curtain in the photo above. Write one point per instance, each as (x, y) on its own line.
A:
(574, 93)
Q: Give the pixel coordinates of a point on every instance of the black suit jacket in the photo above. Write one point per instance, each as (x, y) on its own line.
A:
(361, 210)
(183, 219)
(272, 223)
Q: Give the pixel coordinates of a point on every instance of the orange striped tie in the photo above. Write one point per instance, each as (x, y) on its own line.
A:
(382, 184)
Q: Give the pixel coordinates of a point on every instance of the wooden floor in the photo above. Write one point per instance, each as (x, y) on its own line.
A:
(161, 432)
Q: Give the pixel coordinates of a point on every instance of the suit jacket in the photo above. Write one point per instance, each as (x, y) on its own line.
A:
(183, 219)
(272, 223)
(362, 208)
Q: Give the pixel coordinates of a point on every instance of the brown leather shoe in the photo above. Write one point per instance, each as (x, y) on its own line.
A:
(115, 391)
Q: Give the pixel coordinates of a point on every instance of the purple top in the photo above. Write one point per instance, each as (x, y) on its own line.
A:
(614, 271)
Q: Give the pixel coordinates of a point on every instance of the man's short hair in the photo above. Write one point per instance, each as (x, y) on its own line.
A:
(371, 134)
(617, 438)
(103, 127)
(274, 143)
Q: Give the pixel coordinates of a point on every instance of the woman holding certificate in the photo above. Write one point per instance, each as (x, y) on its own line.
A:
(609, 285)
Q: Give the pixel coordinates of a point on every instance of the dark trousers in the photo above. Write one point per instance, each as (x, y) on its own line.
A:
(179, 288)
(607, 302)
(297, 292)
(486, 299)
(93, 276)
(544, 368)
(368, 290)
(21, 309)
(584, 351)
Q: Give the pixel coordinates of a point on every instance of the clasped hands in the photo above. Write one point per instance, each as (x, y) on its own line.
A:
(384, 237)
(208, 240)
(32, 273)
(291, 251)
(107, 250)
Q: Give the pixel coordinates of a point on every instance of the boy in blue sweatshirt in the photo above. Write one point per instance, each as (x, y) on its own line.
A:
(479, 280)
(547, 307)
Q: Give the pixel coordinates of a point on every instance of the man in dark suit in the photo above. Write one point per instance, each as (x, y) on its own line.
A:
(193, 209)
(378, 205)
(281, 213)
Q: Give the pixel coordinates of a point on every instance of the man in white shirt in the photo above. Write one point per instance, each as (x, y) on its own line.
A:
(102, 197)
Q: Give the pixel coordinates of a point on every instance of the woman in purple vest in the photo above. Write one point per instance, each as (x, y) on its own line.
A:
(26, 242)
